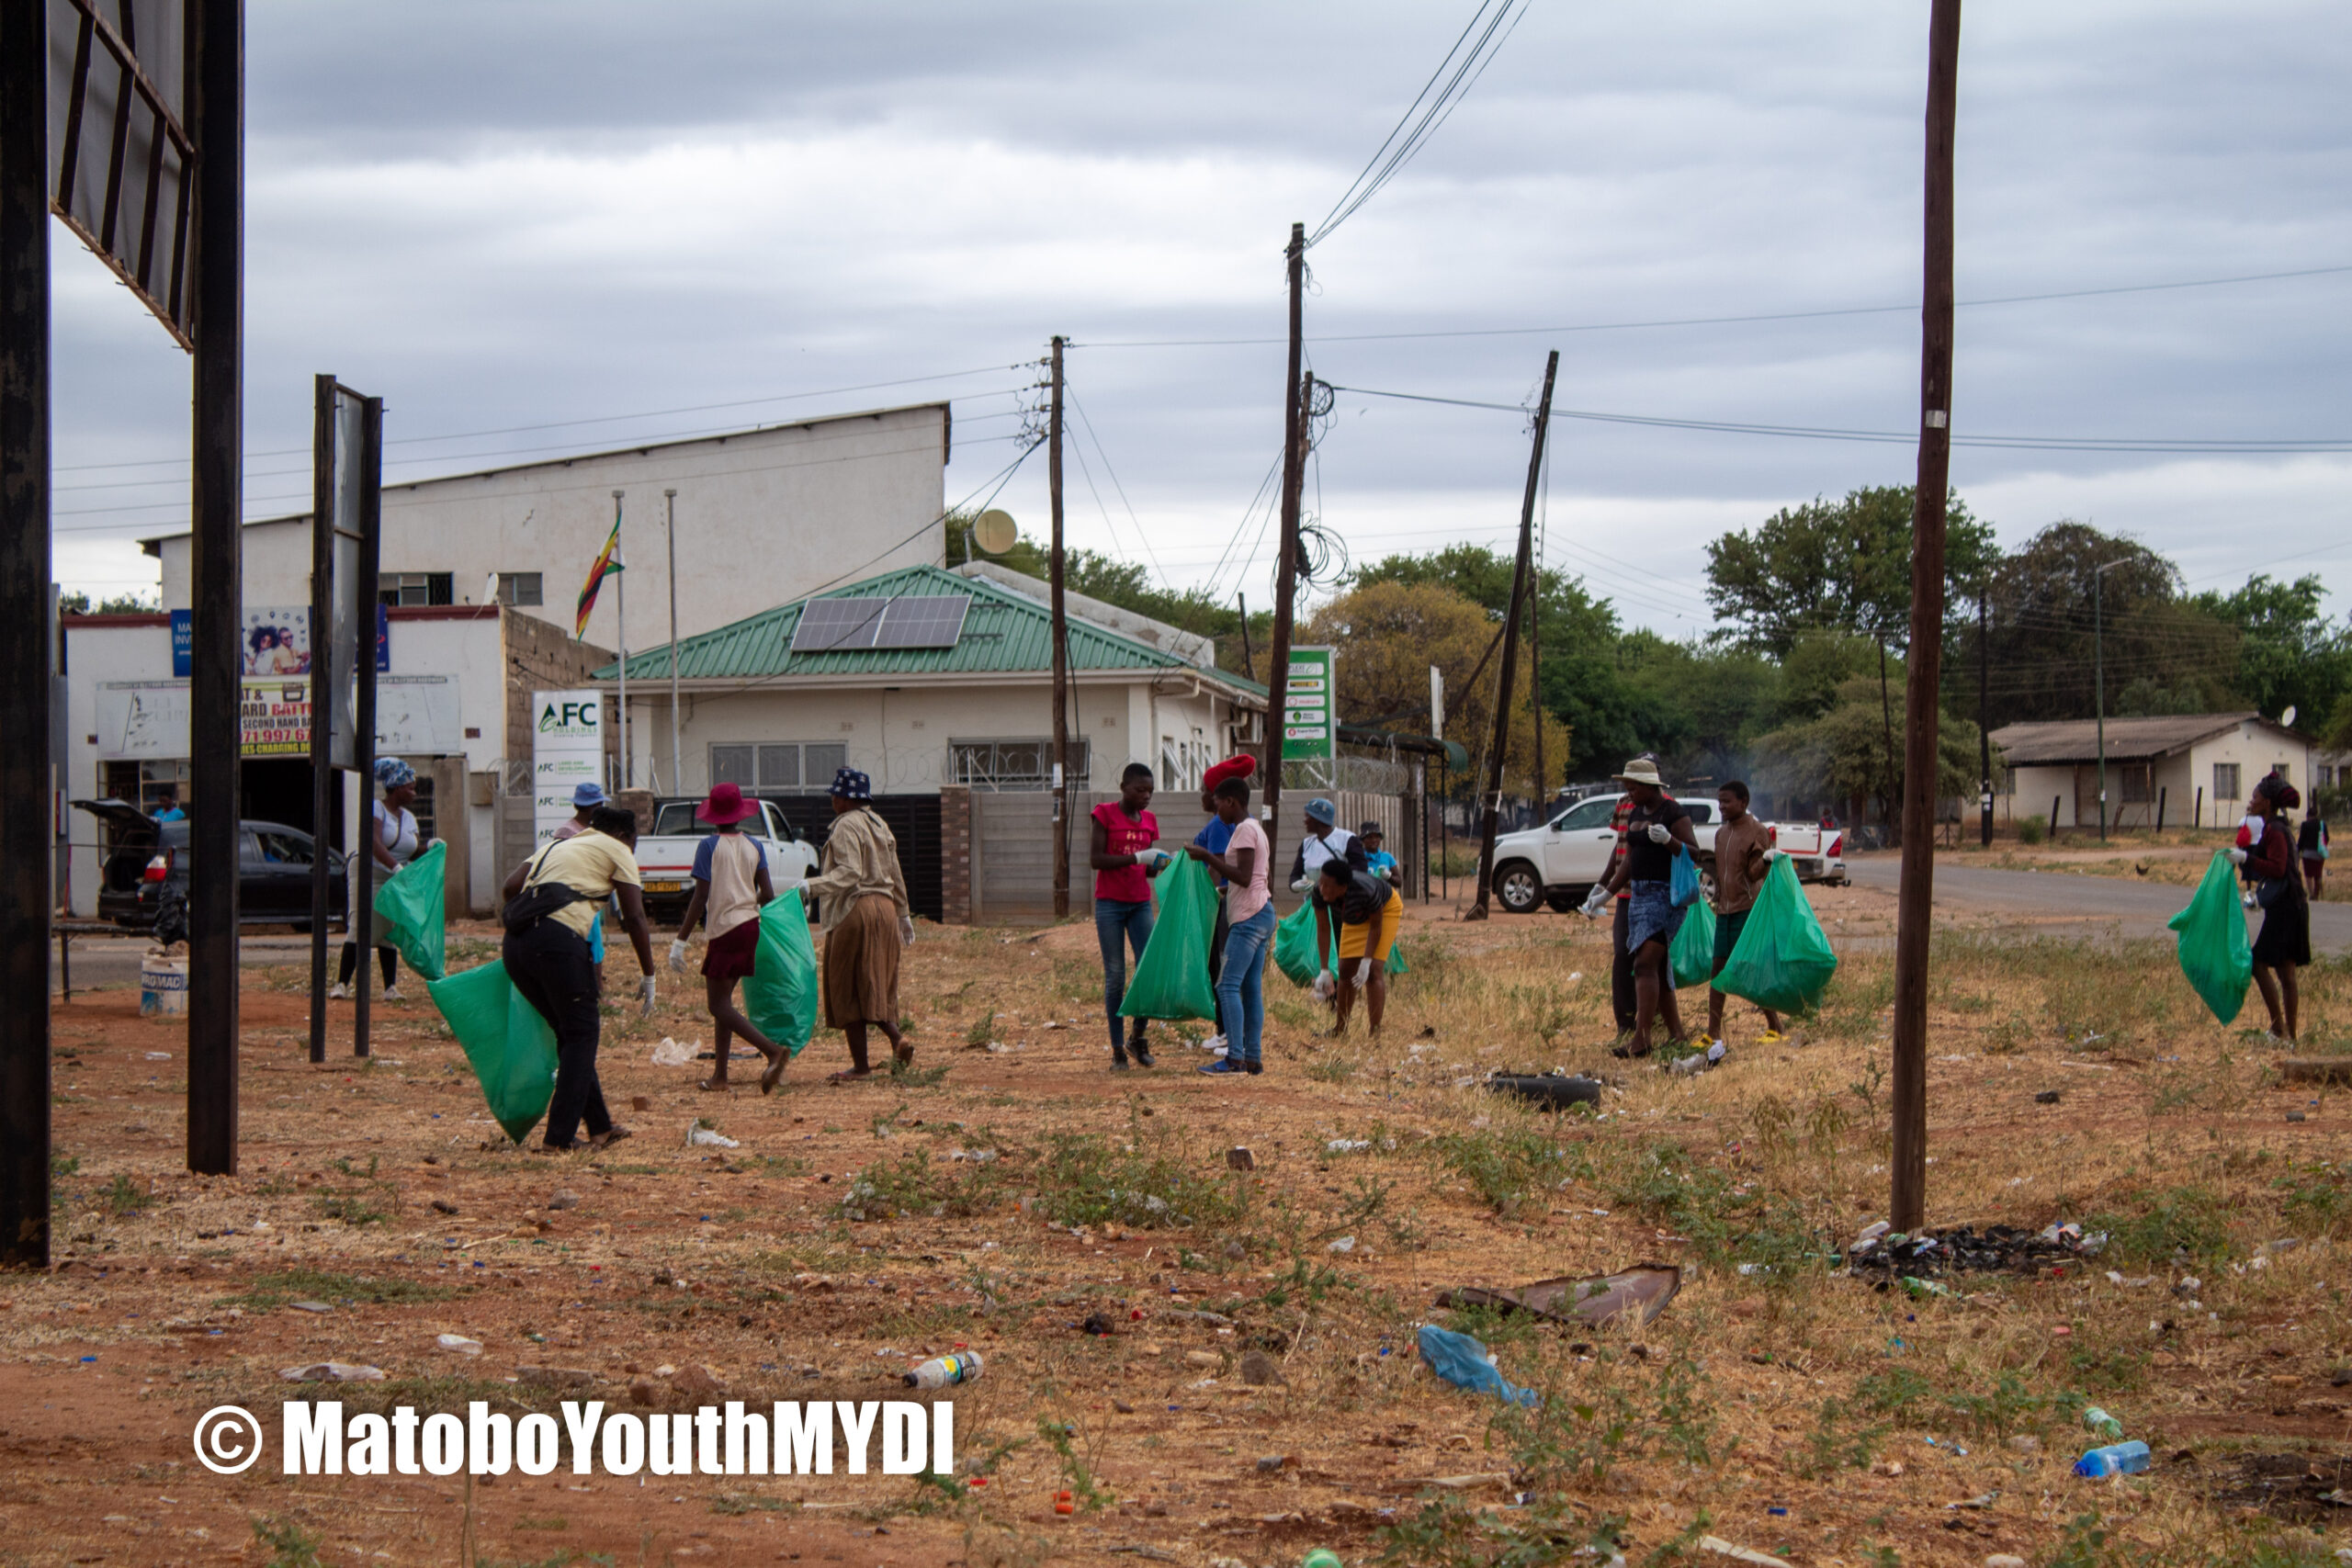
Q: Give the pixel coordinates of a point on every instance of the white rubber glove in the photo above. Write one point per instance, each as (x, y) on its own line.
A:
(678, 955)
(906, 930)
(645, 995)
(2237, 857)
(1326, 985)
(1302, 883)
(1595, 899)
(1360, 974)
(1772, 855)
(1660, 833)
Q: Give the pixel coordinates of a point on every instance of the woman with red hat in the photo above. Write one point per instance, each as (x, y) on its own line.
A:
(731, 884)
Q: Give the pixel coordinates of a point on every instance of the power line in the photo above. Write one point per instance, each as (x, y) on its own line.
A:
(1430, 108)
(1908, 308)
(1142, 533)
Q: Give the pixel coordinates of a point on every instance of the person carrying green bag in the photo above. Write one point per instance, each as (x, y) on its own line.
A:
(1744, 853)
(1249, 913)
(1658, 824)
(413, 910)
(508, 1045)
(1783, 960)
(2212, 946)
(731, 886)
(392, 842)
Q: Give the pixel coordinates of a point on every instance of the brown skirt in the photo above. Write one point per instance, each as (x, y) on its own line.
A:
(731, 956)
(862, 965)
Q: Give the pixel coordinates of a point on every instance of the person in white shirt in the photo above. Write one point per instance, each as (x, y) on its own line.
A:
(392, 845)
(731, 886)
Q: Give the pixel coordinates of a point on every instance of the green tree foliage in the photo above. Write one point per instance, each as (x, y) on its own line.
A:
(1126, 584)
(2289, 654)
(1840, 566)
(78, 604)
(1842, 753)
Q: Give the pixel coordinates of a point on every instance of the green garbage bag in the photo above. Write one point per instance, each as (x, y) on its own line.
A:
(1171, 978)
(1783, 960)
(2213, 950)
(1692, 952)
(781, 996)
(410, 906)
(1297, 955)
(507, 1040)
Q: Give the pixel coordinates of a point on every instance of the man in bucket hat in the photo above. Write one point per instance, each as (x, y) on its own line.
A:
(1656, 824)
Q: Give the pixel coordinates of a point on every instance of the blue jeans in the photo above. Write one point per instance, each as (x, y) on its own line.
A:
(1241, 985)
(1117, 921)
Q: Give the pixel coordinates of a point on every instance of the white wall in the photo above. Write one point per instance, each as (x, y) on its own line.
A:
(765, 517)
(2255, 745)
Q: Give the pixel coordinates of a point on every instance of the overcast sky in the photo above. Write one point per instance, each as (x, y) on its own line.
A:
(520, 214)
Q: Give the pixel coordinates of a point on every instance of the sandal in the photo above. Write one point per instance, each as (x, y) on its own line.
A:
(609, 1137)
(849, 1075)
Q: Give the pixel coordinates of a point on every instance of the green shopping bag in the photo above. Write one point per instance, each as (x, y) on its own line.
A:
(1171, 978)
(1692, 952)
(780, 996)
(1783, 960)
(2213, 950)
(409, 904)
(510, 1046)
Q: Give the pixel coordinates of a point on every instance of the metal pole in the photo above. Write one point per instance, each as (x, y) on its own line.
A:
(1922, 671)
(359, 869)
(1492, 808)
(1061, 647)
(25, 779)
(2098, 684)
(323, 695)
(216, 114)
(1287, 567)
(677, 764)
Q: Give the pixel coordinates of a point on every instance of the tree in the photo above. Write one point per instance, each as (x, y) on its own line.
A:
(2044, 651)
(2289, 654)
(77, 602)
(1841, 756)
(1840, 566)
(1388, 635)
(1123, 583)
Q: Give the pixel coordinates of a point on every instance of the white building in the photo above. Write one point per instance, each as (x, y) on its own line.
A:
(763, 516)
(2189, 770)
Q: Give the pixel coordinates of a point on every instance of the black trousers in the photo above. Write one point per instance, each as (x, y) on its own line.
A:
(1216, 939)
(551, 967)
(1621, 970)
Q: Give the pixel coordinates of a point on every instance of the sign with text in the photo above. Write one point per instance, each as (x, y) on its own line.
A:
(1310, 716)
(567, 750)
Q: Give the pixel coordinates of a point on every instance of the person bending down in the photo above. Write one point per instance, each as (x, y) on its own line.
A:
(732, 885)
(1369, 912)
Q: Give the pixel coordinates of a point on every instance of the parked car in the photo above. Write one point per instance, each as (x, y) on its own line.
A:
(146, 867)
(1558, 862)
(665, 857)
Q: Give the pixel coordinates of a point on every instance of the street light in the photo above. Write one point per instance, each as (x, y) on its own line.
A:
(2099, 678)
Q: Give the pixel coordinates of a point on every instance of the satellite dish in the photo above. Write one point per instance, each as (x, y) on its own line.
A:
(995, 532)
(2286, 720)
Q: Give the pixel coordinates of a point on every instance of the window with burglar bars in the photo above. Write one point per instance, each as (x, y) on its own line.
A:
(416, 587)
(769, 767)
(2225, 783)
(519, 588)
(1016, 764)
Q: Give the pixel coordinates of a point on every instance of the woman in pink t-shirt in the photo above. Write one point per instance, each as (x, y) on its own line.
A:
(1241, 981)
(1121, 852)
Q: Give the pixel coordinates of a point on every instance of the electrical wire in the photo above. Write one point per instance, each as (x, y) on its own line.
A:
(1748, 319)
(1142, 535)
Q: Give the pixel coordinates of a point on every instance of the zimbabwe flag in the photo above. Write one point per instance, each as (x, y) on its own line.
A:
(608, 560)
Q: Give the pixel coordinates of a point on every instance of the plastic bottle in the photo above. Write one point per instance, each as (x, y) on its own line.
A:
(1321, 1556)
(945, 1371)
(2115, 1458)
(2100, 1421)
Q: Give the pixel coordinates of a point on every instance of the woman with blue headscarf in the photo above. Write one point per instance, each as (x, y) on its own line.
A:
(392, 844)
(866, 921)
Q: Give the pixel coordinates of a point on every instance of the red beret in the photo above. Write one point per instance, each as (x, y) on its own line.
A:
(1239, 767)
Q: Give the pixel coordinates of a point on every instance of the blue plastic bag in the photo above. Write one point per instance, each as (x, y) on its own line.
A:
(1682, 885)
(1463, 1361)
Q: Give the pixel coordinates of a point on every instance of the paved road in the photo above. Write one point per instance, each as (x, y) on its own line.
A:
(114, 959)
(2062, 903)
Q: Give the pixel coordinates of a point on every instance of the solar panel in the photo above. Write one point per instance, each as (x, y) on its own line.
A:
(831, 625)
(924, 622)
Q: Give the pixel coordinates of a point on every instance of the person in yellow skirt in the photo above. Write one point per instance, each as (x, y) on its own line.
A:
(1370, 912)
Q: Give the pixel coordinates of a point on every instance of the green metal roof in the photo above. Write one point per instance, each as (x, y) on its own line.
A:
(1003, 633)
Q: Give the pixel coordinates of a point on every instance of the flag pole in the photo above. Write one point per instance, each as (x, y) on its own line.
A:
(622, 605)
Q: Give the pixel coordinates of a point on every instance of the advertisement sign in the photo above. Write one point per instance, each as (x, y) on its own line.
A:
(183, 644)
(274, 718)
(1310, 716)
(276, 640)
(567, 750)
(416, 715)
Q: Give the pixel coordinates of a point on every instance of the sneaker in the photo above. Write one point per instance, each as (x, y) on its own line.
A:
(1253, 1068)
(339, 992)
(392, 994)
(1213, 1044)
(1222, 1067)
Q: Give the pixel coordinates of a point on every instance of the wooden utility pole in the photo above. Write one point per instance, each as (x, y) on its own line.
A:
(1061, 652)
(1286, 570)
(1535, 678)
(1922, 673)
(215, 74)
(1492, 807)
(1248, 665)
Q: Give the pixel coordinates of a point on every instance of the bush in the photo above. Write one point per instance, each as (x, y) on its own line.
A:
(2034, 829)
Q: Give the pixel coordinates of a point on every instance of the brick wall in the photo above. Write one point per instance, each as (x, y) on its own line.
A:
(955, 855)
(540, 658)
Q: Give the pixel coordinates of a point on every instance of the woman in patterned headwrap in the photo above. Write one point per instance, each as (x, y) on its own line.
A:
(866, 923)
(393, 845)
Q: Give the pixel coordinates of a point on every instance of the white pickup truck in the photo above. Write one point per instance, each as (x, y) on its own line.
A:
(665, 857)
(1559, 862)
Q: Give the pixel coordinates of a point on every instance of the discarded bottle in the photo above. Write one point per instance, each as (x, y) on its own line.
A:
(1920, 1290)
(945, 1371)
(2100, 1421)
(1321, 1556)
(2115, 1458)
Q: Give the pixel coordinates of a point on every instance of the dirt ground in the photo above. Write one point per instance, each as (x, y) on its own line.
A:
(1778, 1403)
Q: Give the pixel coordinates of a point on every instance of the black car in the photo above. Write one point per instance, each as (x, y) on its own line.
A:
(146, 867)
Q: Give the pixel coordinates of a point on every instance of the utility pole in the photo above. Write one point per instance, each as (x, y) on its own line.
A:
(1061, 652)
(1286, 567)
(1922, 672)
(1248, 666)
(2099, 679)
(1519, 591)
(1983, 709)
(1535, 668)
(620, 608)
(677, 765)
